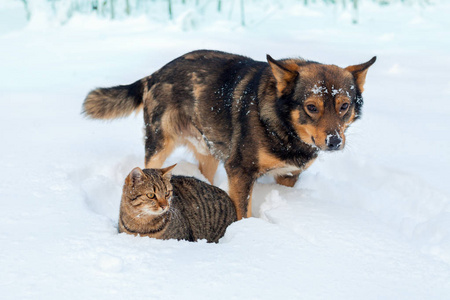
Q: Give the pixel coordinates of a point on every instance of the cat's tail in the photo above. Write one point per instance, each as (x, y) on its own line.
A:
(115, 102)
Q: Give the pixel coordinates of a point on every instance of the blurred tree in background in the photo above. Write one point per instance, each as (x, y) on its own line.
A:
(231, 10)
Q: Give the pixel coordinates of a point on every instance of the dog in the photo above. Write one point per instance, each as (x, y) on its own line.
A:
(256, 117)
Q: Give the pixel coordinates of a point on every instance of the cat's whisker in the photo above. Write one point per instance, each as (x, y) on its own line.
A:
(174, 213)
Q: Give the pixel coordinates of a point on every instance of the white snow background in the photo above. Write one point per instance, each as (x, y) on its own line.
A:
(369, 222)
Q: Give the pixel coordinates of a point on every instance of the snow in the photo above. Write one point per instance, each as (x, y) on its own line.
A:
(369, 222)
(319, 90)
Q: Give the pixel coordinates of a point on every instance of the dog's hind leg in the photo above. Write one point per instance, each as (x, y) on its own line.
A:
(159, 157)
(206, 162)
(207, 165)
(157, 149)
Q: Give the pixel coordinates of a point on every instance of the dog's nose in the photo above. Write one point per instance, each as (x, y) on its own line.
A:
(333, 142)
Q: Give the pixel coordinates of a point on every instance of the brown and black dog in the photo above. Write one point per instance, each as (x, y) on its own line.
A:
(256, 117)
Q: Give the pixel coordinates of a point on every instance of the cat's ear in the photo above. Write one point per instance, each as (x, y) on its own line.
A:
(136, 175)
(167, 172)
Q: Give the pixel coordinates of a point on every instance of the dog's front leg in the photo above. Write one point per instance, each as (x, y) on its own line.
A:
(288, 180)
(240, 186)
(291, 179)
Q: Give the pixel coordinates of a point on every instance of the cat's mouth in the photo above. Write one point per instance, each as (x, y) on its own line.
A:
(151, 212)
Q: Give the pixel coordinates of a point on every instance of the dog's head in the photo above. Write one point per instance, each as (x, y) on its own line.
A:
(323, 100)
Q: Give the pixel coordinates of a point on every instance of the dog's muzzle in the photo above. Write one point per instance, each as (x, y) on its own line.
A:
(333, 142)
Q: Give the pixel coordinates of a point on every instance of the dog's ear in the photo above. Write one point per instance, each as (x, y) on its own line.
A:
(359, 72)
(282, 74)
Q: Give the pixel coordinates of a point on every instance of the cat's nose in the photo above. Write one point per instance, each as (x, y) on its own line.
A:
(163, 207)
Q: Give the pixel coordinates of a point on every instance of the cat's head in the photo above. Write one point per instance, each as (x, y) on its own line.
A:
(148, 191)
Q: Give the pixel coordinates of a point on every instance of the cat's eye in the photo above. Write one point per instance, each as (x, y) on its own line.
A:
(168, 193)
(151, 195)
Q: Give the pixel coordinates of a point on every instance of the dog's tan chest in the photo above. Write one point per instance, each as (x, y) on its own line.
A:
(268, 163)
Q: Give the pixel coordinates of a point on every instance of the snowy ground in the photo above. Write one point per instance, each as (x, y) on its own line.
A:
(370, 222)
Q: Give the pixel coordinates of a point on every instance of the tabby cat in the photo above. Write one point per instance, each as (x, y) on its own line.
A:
(159, 205)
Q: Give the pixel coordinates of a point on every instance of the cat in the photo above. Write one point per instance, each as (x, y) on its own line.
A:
(156, 204)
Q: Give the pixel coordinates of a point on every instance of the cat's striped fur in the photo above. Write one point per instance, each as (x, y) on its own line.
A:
(159, 205)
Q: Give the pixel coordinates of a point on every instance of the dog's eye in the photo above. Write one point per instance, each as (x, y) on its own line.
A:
(344, 106)
(312, 108)
(151, 195)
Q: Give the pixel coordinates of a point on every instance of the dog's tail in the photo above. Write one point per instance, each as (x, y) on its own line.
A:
(115, 102)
